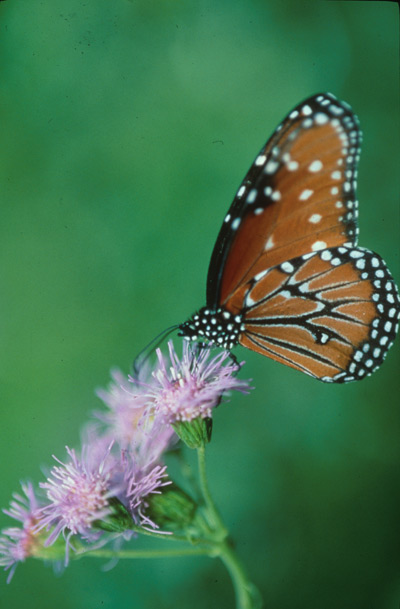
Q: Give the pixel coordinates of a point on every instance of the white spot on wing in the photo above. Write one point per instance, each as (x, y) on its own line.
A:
(315, 218)
(271, 167)
(260, 275)
(287, 267)
(251, 197)
(306, 194)
(304, 287)
(321, 118)
(315, 166)
(260, 160)
(318, 245)
(249, 301)
(356, 254)
(292, 165)
(270, 243)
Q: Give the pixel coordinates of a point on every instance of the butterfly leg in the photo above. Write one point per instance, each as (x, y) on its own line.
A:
(233, 357)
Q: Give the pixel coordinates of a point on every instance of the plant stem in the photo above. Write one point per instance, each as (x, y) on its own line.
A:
(104, 553)
(212, 511)
(247, 595)
(150, 533)
(171, 536)
(58, 552)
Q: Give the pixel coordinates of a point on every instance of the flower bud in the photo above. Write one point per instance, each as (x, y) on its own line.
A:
(171, 509)
(117, 521)
(194, 433)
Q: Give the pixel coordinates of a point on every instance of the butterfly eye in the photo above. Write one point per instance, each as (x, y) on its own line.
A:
(286, 264)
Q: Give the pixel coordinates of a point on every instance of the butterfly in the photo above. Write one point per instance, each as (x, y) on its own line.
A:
(286, 277)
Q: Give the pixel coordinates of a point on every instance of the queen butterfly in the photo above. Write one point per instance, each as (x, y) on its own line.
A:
(286, 278)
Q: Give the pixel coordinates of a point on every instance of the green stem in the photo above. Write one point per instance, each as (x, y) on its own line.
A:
(104, 553)
(172, 536)
(168, 536)
(58, 553)
(213, 514)
(247, 595)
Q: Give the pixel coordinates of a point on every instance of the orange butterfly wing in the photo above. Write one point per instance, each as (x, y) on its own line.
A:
(286, 278)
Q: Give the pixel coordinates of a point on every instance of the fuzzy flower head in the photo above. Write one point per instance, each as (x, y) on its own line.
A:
(126, 406)
(130, 421)
(141, 485)
(78, 493)
(17, 544)
(189, 388)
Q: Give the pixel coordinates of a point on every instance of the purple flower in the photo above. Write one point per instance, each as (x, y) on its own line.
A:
(156, 438)
(187, 388)
(142, 436)
(78, 494)
(140, 486)
(16, 544)
(130, 421)
(145, 474)
(126, 407)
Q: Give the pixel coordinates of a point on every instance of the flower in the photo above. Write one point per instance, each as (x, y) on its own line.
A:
(143, 437)
(17, 544)
(78, 492)
(145, 474)
(156, 439)
(140, 486)
(126, 407)
(130, 421)
(188, 388)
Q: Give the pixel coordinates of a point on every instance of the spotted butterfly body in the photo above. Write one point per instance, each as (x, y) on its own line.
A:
(286, 278)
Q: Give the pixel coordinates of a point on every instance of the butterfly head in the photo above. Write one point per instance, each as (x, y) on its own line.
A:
(219, 327)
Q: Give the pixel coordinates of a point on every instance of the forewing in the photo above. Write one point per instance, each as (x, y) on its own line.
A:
(299, 196)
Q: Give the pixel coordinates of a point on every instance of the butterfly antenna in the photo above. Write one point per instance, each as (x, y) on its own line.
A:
(147, 351)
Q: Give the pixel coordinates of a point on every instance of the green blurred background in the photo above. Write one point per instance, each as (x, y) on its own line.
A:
(126, 128)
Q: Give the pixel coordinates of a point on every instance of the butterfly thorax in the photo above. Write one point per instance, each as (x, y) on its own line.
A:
(220, 327)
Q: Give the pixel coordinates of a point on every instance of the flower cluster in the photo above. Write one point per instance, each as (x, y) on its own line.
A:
(118, 484)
